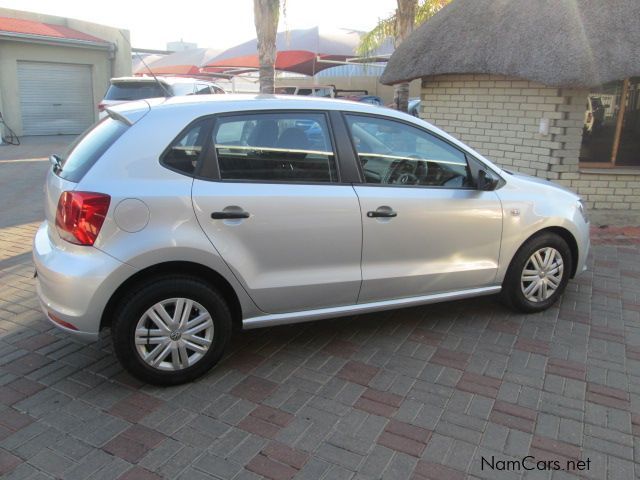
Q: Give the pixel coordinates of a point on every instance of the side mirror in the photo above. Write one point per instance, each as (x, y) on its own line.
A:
(486, 181)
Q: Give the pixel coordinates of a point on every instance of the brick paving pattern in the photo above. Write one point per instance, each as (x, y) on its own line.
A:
(421, 393)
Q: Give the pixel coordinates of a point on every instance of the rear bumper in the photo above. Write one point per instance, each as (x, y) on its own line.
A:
(74, 283)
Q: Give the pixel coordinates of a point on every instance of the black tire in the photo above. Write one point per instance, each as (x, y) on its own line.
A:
(133, 307)
(512, 293)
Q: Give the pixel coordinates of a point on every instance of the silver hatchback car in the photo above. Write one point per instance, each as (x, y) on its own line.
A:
(172, 221)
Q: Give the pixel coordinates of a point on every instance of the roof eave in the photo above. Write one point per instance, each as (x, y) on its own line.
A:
(45, 40)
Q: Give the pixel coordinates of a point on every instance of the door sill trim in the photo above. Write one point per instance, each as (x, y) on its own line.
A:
(271, 320)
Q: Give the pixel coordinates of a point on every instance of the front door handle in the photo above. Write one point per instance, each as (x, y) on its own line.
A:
(229, 215)
(382, 212)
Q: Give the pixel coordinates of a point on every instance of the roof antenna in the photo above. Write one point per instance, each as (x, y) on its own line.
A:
(164, 89)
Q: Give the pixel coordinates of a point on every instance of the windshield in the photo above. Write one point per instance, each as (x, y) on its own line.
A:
(89, 147)
(134, 91)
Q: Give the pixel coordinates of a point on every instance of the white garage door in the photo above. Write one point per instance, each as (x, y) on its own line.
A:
(55, 98)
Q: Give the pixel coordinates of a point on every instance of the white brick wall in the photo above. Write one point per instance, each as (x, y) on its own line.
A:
(500, 117)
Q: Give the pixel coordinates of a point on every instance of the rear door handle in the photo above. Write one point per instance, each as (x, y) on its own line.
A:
(382, 214)
(229, 215)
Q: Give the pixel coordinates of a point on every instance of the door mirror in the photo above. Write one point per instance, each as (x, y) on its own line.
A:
(486, 181)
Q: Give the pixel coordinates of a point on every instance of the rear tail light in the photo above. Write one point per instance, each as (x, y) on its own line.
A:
(80, 216)
(101, 107)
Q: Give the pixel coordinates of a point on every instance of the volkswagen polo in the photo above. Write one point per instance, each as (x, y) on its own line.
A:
(173, 220)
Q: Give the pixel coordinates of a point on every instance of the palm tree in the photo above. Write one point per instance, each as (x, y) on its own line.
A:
(266, 14)
(398, 26)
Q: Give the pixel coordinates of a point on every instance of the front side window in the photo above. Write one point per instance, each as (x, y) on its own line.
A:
(284, 147)
(391, 152)
(203, 89)
(184, 152)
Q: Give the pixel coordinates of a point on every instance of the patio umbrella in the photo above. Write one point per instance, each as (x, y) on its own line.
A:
(187, 62)
(301, 51)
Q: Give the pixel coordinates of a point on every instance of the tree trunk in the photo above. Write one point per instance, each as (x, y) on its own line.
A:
(405, 18)
(265, 15)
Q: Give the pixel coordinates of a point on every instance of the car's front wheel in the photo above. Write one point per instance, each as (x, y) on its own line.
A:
(172, 330)
(538, 274)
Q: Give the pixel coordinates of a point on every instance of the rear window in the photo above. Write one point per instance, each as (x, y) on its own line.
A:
(89, 147)
(134, 91)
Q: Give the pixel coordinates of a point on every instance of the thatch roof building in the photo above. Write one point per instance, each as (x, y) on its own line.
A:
(555, 42)
(523, 82)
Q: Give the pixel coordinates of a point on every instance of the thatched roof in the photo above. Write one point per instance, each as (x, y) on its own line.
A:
(556, 42)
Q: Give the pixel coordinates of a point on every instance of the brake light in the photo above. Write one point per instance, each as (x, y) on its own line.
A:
(101, 107)
(80, 216)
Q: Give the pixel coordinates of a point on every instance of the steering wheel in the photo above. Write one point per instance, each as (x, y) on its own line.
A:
(402, 173)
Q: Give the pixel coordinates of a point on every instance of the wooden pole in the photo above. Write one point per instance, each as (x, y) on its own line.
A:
(619, 120)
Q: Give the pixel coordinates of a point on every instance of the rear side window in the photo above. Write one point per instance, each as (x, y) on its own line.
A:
(89, 147)
(280, 147)
(184, 152)
(183, 89)
(127, 91)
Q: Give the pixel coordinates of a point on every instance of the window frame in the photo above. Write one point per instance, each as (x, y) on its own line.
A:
(611, 165)
(356, 158)
(211, 156)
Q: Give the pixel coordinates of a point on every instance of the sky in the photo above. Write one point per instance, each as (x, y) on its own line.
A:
(215, 23)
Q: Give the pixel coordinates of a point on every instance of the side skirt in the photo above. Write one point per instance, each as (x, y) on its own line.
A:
(347, 310)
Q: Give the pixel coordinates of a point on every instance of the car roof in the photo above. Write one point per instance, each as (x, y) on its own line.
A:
(200, 105)
(166, 80)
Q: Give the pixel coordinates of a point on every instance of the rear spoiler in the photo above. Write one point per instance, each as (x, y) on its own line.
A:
(119, 117)
(130, 112)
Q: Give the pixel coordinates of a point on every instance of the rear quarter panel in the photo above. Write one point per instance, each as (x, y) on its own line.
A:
(130, 169)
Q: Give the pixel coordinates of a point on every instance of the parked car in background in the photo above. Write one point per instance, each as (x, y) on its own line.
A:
(594, 115)
(127, 89)
(370, 99)
(173, 220)
(327, 91)
(330, 91)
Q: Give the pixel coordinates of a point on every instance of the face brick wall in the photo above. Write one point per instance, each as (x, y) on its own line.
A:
(500, 117)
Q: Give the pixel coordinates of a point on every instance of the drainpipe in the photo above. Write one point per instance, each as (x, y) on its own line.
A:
(112, 59)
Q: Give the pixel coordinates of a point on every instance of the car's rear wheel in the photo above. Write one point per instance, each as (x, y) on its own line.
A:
(172, 330)
(538, 274)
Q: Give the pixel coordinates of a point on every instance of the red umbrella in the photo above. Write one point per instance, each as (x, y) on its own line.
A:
(187, 62)
(301, 51)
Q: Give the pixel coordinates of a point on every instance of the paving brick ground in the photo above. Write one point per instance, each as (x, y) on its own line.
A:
(422, 393)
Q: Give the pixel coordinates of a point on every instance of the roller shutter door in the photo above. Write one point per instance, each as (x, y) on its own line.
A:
(55, 98)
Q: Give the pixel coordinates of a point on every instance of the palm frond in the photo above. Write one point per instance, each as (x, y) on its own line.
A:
(428, 8)
(386, 27)
(374, 39)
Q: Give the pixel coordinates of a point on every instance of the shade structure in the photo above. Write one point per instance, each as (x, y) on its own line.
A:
(187, 62)
(138, 62)
(575, 43)
(305, 51)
